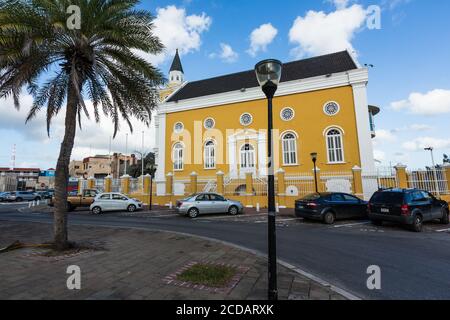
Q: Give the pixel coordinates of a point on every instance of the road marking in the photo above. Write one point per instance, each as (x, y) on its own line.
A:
(443, 230)
(280, 220)
(165, 215)
(238, 216)
(351, 224)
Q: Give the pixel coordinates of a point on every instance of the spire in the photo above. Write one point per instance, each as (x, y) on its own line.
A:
(176, 64)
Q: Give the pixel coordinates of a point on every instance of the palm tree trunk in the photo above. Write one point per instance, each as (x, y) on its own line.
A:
(62, 172)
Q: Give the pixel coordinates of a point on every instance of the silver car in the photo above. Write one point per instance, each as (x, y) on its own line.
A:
(19, 196)
(202, 203)
(114, 202)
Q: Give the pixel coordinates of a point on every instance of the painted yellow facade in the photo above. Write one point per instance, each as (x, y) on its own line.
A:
(310, 124)
(219, 134)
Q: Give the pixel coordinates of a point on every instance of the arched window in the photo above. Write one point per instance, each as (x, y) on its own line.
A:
(178, 161)
(210, 155)
(289, 148)
(247, 156)
(335, 146)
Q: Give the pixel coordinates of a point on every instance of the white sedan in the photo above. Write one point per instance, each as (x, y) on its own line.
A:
(114, 202)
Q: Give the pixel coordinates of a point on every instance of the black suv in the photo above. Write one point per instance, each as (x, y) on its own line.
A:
(410, 207)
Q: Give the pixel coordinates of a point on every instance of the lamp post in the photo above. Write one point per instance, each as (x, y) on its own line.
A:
(268, 73)
(152, 167)
(314, 160)
(431, 149)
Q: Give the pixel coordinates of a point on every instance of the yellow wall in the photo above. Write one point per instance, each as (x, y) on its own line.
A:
(309, 123)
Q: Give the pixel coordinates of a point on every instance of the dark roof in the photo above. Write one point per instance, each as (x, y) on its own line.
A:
(176, 64)
(302, 69)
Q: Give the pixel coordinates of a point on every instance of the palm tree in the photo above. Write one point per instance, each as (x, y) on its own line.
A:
(60, 65)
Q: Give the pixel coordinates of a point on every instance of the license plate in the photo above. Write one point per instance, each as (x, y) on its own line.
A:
(384, 210)
(301, 207)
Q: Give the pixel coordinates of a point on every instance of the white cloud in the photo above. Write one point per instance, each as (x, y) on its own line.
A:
(319, 33)
(420, 143)
(227, 54)
(434, 102)
(177, 30)
(340, 4)
(379, 155)
(92, 139)
(261, 37)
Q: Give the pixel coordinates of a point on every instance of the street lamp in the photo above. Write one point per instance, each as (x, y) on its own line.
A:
(152, 167)
(431, 149)
(314, 160)
(268, 73)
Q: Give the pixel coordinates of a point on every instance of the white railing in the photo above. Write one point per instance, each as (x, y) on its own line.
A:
(116, 185)
(432, 180)
(299, 185)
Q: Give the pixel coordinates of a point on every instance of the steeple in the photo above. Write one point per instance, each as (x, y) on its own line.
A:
(176, 64)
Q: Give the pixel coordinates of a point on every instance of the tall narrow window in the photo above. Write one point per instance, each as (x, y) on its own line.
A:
(289, 147)
(335, 146)
(178, 151)
(247, 156)
(210, 155)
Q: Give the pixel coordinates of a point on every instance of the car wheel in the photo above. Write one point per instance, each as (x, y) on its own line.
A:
(377, 223)
(445, 216)
(96, 210)
(233, 210)
(19, 199)
(418, 223)
(329, 217)
(193, 213)
(131, 208)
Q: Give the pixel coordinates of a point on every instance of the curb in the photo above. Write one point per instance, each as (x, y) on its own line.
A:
(348, 295)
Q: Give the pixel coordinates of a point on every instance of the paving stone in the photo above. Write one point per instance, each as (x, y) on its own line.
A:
(133, 267)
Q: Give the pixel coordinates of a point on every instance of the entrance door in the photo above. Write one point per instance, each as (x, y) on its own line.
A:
(247, 160)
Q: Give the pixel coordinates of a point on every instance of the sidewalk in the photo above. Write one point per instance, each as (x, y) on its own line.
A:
(134, 264)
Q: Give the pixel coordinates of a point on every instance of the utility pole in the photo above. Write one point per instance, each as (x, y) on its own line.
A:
(142, 162)
(126, 153)
(431, 149)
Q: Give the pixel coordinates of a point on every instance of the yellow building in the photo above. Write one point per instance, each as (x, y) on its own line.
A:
(218, 125)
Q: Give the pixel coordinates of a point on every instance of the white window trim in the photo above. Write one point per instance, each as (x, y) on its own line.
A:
(295, 147)
(182, 157)
(328, 147)
(248, 124)
(325, 110)
(255, 160)
(175, 125)
(215, 155)
(204, 123)
(293, 114)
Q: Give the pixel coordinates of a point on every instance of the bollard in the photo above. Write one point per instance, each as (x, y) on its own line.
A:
(277, 208)
(257, 207)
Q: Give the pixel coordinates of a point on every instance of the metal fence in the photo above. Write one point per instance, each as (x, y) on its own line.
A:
(116, 185)
(432, 180)
(235, 187)
(381, 178)
(299, 185)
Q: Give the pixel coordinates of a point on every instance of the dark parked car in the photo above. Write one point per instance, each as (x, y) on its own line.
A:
(329, 207)
(410, 207)
(45, 194)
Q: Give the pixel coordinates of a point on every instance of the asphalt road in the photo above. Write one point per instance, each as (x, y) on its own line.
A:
(413, 266)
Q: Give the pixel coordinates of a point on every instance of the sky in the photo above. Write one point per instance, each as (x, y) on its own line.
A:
(409, 51)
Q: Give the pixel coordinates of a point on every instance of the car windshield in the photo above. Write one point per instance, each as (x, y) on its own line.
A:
(387, 197)
(190, 197)
(311, 197)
